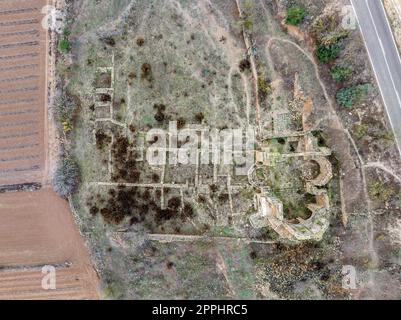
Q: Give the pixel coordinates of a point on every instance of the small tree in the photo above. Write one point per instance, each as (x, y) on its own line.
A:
(295, 15)
(328, 53)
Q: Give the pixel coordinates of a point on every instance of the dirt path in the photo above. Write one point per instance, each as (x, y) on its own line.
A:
(248, 46)
(381, 166)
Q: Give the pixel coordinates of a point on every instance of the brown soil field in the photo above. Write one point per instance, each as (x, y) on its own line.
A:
(22, 91)
(36, 228)
(26, 284)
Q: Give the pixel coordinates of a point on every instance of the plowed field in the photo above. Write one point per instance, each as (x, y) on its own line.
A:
(36, 228)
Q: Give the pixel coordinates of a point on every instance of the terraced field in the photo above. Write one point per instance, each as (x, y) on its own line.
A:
(36, 227)
(22, 91)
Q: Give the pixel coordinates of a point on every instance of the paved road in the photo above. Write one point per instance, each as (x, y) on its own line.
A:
(384, 57)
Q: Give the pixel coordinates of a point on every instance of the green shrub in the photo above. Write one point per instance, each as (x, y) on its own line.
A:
(380, 191)
(64, 46)
(328, 53)
(295, 15)
(341, 71)
(264, 87)
(66, 177)
(349, 96)
(361, 130)
(246, 22)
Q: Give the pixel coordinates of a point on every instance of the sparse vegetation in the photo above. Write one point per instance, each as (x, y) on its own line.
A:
(361, 130)
(328, 35)
(380, 191)
(112, 286)
(102, 139)
(63, 110)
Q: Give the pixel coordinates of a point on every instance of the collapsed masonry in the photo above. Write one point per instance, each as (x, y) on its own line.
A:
(270, 212)
(270, 209)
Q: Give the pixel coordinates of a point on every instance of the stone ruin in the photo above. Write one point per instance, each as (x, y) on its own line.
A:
(317, 173)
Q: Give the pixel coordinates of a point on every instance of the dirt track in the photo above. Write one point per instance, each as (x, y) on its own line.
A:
(36, 228)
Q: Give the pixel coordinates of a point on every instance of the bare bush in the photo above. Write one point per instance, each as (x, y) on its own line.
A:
(66, 177)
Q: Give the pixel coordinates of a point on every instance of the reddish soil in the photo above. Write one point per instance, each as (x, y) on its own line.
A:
(22, 91)
(36, 228)
(26, 284)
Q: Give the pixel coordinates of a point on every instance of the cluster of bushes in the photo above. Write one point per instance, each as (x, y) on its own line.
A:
(328, 36)
(295, 15)
(66, 177)
(347, 97)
